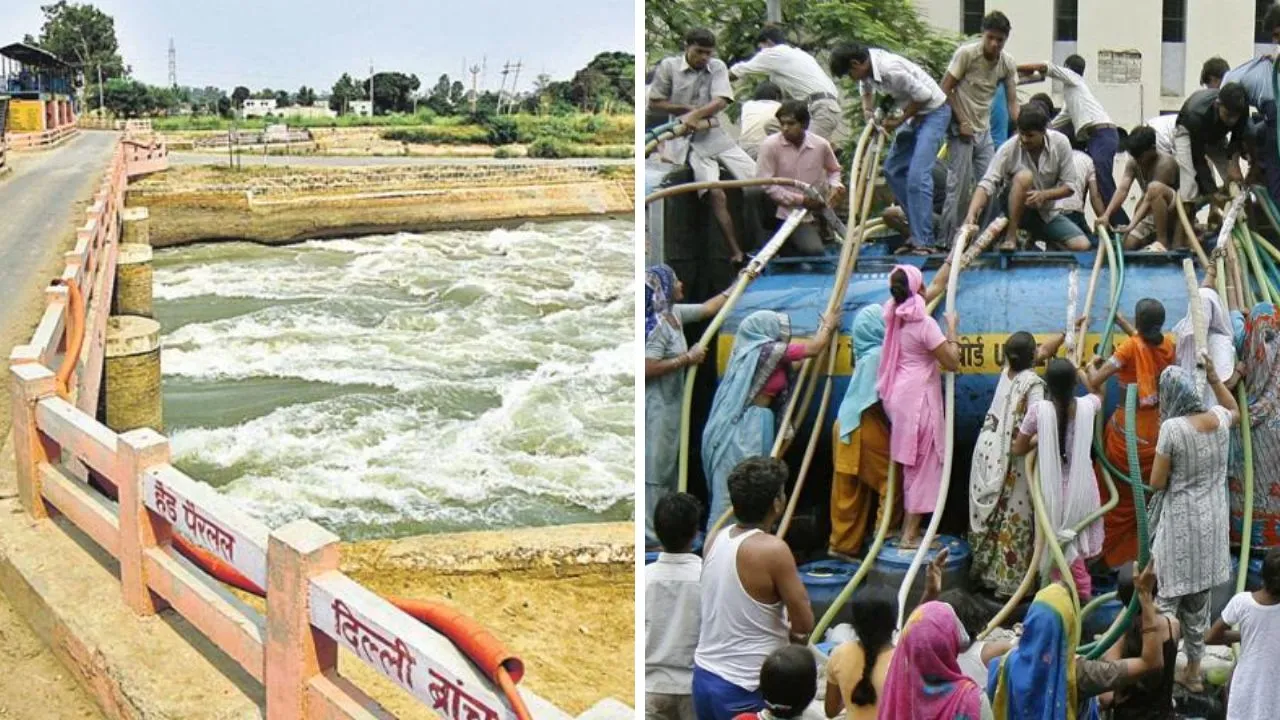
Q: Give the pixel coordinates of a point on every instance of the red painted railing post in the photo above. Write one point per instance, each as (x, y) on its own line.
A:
(32, 383)
(295, 651)
(138, 451)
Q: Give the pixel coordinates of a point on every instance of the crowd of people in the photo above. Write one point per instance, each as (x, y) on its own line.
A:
(726, 630)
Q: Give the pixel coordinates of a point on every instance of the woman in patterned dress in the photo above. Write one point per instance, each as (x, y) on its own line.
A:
(1189, 509)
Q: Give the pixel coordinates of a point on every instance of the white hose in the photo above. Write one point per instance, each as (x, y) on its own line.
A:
(949, 401)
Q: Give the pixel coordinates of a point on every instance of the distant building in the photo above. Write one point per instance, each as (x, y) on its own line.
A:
(318, 109)
(1142, 57)
(360, 108)
(258, 107)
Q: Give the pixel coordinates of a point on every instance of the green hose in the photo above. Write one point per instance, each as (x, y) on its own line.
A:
(1096, 603)
(1246, 435)
(653, 134)
(1093, 651)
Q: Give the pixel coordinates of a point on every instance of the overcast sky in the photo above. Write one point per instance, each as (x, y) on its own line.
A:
(282, 45)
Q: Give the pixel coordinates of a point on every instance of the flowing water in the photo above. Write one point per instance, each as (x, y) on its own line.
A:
(409, 383)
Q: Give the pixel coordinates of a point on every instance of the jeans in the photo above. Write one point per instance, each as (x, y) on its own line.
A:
(909, 170)
(1102, 147)
(967, 161)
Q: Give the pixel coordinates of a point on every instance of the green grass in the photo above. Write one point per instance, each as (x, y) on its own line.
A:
(579, 129)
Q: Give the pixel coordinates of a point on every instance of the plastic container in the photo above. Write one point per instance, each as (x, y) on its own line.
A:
(824, 579)
(893, 562)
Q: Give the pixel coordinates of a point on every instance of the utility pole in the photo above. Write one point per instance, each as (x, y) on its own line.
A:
(475, 92)
(514, 82)
(173, 66)
(371, 88)
(506, 68)
(773, 11)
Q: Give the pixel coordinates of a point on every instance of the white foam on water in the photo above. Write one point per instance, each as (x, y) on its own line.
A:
(509, 354)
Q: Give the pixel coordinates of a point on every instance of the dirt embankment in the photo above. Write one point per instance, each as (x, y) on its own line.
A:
(286, 204)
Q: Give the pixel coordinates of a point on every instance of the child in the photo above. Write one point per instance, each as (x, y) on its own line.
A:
(788, 683)
(856, 670)
(672, 610)
(1254, 690)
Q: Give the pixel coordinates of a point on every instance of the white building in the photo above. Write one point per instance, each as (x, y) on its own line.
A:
(1143, 57)
(258, 107)
(360, 108)
(318, 109)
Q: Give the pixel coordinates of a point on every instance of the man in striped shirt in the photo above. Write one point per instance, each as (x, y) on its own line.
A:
(920, 128)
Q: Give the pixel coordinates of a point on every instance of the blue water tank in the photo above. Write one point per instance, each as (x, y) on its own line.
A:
(824, 579)
(893, 562)
(997, 295)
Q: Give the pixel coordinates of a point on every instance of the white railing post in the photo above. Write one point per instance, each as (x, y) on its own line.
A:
(138, 451)
(295, 651)
(32, 383)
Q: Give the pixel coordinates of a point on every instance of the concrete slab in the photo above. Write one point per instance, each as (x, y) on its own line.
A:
(68, 591)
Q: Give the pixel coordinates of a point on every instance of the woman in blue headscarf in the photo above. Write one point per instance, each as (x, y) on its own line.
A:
(1041, 677)
(666, 355)
(756, 384)
(860, 443)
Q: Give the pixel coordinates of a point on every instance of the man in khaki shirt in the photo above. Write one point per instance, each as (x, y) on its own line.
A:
(970, 86)
(694, 86)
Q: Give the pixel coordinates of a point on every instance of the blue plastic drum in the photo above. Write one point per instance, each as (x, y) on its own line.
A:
(825, 579)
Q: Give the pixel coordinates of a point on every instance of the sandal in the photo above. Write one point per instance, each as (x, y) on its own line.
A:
(913, 250)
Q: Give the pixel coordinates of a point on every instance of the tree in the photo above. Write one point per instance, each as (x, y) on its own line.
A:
(344, 91)
(306, 97)
(265, 94)
(393, 92)
(84, 35)
(609, 77)
(239, 95)
(224, 106)
(127, 98)
(282, 99)
(440, 98)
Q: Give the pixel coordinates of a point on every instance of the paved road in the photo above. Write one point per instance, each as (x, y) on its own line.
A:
(40, 202)
(248, 158)
(40, 206)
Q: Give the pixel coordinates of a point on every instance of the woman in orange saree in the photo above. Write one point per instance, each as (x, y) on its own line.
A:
(1139, 360)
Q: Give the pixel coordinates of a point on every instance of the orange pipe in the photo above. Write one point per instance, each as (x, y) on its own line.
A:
(473, 639)
(74, 331)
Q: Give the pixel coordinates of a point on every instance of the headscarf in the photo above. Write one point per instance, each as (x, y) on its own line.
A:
(868, 342)
(1262, 364)
(1069, 500)
(924, 680)
(1219, 335)
(895, 316)
(659, 289)
(1037, 678)
(758, 348)
(1178, 394)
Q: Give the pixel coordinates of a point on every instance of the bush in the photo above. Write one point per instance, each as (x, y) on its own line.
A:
(505, 152)
(502, 131)
(439, 135)
(548, 148)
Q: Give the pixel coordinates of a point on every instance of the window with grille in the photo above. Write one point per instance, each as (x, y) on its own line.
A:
(973, 10)
(1066, 20)
(1174, 21)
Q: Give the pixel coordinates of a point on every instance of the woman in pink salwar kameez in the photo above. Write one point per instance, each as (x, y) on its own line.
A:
(909, 386)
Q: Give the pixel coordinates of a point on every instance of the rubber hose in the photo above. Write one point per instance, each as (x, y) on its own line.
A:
(1096, 650)
(1046, 527)
(949, 408)
(868, 561)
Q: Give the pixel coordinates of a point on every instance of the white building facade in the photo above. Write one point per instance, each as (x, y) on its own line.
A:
(360, 108)
(1143, 57)
(258, 107)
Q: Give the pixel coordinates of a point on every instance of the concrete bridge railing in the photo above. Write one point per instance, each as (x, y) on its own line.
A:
(96, 123)
(41, 140)
(312, 609)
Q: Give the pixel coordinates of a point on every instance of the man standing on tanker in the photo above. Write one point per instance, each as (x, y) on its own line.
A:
(695, 86)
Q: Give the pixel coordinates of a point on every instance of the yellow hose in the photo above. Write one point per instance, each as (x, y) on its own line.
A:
(856, 175)
(1050, 532)
(950, 405)
(836, 299)
(749, 274)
